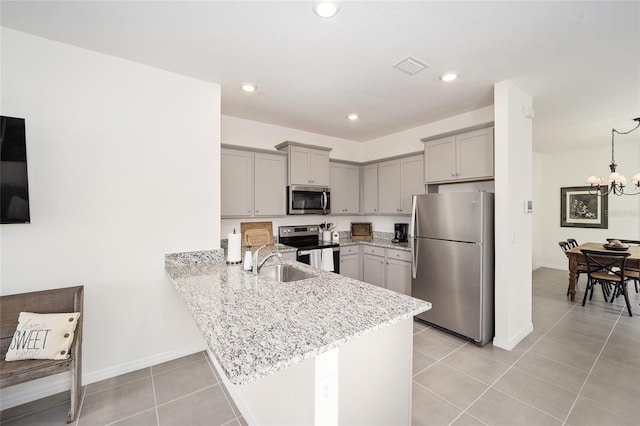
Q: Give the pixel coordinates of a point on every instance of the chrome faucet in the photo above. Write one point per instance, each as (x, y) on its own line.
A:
(257, 266)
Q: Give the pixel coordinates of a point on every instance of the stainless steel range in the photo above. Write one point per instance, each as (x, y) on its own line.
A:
(307, 238)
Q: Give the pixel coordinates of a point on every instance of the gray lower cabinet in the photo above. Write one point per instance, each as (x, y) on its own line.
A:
(350, 262)
(373, 265)
(398, 274)
(387, 268)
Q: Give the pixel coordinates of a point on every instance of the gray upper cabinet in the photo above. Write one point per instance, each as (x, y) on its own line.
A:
(370, 189)
(466, 156)
(411, 173)
(398, 181)
(252, 183)
(308, 166)
(389, 199)
(344, 181)
(269, 184)
(236, 183)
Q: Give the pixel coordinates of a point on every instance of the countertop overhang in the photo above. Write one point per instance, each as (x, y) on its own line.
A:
(256, 326)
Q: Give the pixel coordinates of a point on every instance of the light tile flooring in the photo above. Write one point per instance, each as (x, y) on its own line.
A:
(581, 366)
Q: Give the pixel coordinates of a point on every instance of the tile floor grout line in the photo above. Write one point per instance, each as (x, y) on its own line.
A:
(186, 395)
(491, 386)
(575, 401)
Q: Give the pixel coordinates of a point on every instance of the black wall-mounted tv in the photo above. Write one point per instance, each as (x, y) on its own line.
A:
(14, 185)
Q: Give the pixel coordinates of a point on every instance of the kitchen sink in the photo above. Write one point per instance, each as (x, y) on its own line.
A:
(285, 273)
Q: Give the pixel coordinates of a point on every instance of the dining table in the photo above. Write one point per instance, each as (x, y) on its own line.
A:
(575, 256)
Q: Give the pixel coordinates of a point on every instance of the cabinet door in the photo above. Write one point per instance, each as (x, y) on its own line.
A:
(353, 189)
(474, 154)
(349, 266)
(373, 270)
(339, 189)
(389, 187)
(299, 166)
(269, 184)
(370, 189)
(236, 183)
(412, 181)
(440, 160)
(399, 276)
(319, 167)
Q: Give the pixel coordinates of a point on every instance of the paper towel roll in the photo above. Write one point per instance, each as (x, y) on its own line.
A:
(233, 249)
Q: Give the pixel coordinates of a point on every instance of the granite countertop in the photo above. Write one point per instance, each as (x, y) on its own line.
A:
(256, 326)
(378, 242)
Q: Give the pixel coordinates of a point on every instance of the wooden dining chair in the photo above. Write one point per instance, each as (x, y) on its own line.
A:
(572, 242)
(608, 270)
(582, 267)
(632, 273)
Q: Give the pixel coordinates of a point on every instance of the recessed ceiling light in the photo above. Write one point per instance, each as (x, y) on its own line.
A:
(249, 87)
(353, 116)
(449, 76)
(325, 9)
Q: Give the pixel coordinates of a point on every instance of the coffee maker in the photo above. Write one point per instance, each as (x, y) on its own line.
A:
(400, 233)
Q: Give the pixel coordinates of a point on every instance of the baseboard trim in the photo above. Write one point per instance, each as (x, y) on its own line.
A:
(47, 386)
(513, 342)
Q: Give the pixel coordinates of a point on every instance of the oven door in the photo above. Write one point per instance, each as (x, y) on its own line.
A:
(304, 256)
(308, 200)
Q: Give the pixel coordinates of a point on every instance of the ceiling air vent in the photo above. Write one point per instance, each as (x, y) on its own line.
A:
(410, 65)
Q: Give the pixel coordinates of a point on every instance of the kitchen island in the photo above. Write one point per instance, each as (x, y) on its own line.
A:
(326, 349)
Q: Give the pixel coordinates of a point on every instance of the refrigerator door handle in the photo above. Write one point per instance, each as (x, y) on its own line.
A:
(412, 237)
(414, 256)
(412, 230)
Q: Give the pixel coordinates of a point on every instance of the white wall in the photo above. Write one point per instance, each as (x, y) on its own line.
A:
(563, 169)
(253, 134)
(123, 168)
(409, 140)
(513, 230)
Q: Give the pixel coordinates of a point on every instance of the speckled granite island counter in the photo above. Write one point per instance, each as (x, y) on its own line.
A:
(282, 342)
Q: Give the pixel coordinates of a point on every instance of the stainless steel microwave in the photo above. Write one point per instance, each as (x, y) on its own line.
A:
(308, 200)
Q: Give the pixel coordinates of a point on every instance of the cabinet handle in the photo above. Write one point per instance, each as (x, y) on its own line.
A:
(257, 211)
(248, 211)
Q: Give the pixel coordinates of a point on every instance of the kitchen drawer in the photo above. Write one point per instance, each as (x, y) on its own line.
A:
(349, 250)
(399, 255)
(376, 251)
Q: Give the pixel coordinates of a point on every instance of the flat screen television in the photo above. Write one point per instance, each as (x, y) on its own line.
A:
(14, 186)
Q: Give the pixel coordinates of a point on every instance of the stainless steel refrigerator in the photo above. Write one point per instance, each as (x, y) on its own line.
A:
(451, 239)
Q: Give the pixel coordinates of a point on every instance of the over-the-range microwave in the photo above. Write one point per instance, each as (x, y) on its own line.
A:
(308, 199)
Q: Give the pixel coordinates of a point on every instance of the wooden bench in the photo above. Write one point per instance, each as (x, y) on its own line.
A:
(59, 300)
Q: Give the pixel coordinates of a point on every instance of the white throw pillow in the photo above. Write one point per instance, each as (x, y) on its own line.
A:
(43, 336)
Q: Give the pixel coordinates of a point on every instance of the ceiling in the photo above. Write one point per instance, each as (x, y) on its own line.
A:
(579, 60)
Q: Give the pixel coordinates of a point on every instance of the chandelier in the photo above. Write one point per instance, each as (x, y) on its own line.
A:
(617, 181)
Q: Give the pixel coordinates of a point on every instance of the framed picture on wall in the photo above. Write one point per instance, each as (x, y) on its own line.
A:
(581, 207)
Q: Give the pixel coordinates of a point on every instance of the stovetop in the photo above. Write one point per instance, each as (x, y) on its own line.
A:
(303, 237)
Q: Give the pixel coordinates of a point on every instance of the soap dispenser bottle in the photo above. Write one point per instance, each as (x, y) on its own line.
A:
(248, 260)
